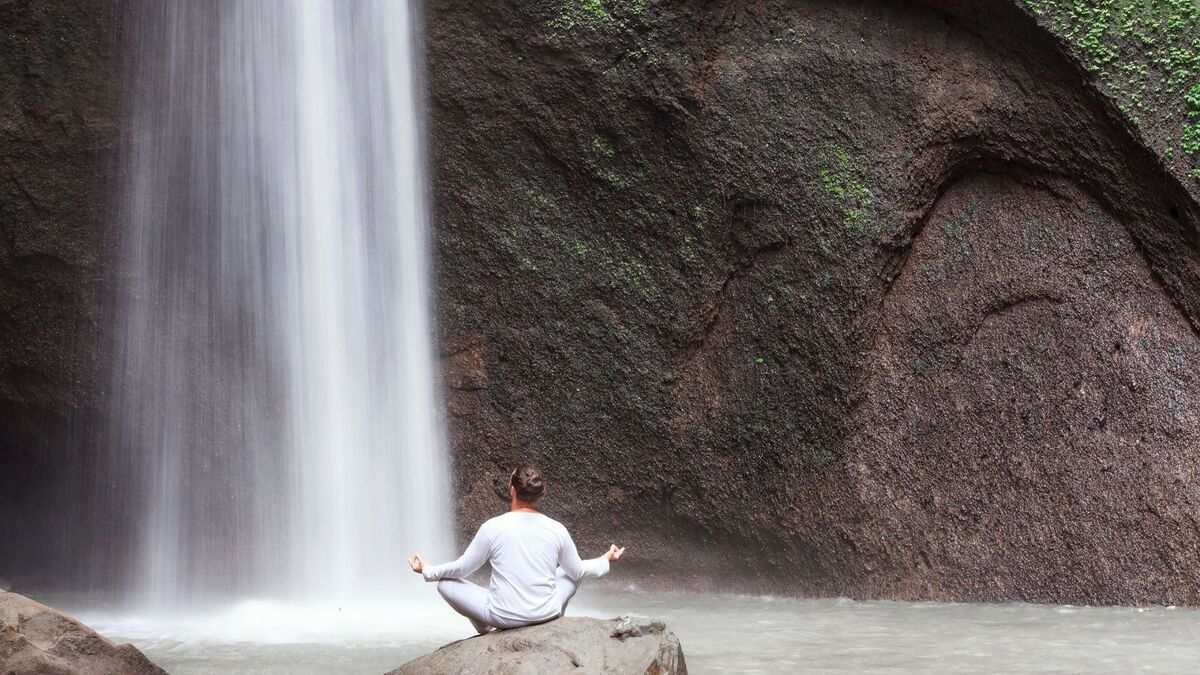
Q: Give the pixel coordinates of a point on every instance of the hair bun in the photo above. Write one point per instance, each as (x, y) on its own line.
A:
(528, 483)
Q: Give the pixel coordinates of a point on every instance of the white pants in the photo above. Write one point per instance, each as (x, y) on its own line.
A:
(471, 601)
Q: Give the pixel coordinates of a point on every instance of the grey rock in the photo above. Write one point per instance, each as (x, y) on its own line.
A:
(570, 645)
(37, 640)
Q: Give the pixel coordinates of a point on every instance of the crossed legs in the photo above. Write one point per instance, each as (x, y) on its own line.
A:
(469, 600)
(564, 590)
(472, 601)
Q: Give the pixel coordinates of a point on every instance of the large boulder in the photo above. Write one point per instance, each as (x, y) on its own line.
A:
(572, 645)
(37, 640)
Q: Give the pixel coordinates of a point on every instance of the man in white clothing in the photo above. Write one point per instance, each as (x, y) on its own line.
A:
(535, 566)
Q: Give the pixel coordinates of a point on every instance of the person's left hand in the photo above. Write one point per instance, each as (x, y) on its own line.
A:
(417, 563)
(614, 553)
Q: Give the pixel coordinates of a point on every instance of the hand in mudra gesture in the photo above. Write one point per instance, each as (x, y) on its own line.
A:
(614, 553)
(417, 563)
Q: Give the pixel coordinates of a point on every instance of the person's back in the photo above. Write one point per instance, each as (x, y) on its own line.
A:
(524, 554)
(535, 566)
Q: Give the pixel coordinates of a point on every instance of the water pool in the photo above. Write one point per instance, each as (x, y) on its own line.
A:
(720, 634)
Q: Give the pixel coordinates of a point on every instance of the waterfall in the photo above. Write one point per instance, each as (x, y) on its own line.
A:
(274, 396)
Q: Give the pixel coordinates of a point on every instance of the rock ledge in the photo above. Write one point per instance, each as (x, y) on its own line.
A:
(37, 640)
(569, 645)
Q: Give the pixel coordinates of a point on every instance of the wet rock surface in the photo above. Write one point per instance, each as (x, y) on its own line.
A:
(835, 298)
(37, 640)
(1039, 393)
(568, 645)
(59, 125)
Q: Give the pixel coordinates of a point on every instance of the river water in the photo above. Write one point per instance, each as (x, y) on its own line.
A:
(720, 634)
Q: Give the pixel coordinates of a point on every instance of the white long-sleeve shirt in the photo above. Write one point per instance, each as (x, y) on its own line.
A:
(525, 550)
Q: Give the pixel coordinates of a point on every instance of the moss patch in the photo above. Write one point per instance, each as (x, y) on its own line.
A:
(843, 184)
(1191, 129)
(596, 14)
(1146, 54)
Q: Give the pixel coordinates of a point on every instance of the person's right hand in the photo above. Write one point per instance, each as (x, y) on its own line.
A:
(417, 563)
(614, 553)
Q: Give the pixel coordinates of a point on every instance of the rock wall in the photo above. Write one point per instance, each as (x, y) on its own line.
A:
(59, 129)
(1030, 410)
(1144, 55)
(877, 299)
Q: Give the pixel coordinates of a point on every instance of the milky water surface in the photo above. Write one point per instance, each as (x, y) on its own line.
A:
(720, 634)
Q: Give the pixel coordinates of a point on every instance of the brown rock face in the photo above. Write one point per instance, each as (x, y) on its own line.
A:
(877, 299)
(1031, 400)
(58, 129)
(36, 640)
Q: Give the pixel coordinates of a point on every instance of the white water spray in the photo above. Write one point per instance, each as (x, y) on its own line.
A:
(275, 396)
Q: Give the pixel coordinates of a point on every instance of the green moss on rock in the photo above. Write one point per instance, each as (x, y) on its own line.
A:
(842, 184)
(594, 14)
(1191, 129)
(1146, 54)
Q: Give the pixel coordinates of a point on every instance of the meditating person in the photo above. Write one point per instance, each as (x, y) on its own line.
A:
(535, 567)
